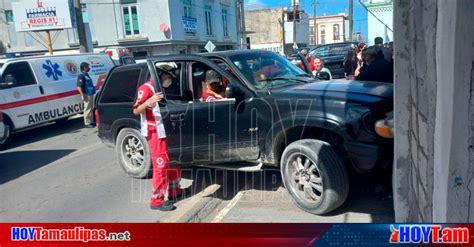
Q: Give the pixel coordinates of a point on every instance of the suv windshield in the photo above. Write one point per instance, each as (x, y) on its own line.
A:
(265, 70)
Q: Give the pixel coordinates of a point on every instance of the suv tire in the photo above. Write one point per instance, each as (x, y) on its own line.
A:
(314, 175)
(133, 153)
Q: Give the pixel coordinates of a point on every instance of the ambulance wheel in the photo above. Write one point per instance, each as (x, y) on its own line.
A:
(8, 136)
(133, 153)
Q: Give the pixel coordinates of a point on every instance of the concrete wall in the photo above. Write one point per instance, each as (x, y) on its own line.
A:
(106, 31)
(454, 165)
(264, 25)
(433, 110)
(266, 30)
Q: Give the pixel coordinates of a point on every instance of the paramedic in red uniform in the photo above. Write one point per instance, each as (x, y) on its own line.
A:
(166, 180)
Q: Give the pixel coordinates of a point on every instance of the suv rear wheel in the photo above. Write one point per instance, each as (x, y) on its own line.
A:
(315, 176)
(133, 153)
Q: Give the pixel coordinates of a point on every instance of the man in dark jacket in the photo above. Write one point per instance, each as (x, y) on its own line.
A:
(86, 89)
(377, 68)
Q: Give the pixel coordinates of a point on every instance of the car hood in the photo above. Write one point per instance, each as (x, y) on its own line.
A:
(344, 88)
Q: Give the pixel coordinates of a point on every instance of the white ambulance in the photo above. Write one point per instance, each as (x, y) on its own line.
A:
(37, 90)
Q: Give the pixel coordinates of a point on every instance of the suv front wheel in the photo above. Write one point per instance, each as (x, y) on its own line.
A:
(315, 176)
(133, 153)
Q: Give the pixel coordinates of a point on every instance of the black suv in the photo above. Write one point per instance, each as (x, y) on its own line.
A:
(333, 56)
(273, 114)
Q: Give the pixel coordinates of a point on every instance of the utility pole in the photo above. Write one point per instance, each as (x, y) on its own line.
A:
(282, 24)
(50, 42)
(351, 19)
(241, 24)
(295, 45)
(81, 32)
(315, 26)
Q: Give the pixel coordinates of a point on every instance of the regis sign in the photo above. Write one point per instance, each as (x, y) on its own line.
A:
(41, 15)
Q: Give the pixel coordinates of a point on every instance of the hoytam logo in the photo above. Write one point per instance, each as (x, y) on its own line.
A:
(429, 234)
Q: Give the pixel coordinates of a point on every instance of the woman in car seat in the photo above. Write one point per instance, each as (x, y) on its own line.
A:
(213, 84)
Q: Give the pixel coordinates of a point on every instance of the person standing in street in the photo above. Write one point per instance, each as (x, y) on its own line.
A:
(86, 89)
(319, 68)
(165, 181)
(378, 69)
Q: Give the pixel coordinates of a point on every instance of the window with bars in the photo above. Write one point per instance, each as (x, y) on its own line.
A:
(224, 23)
(130, 20)
(336, 31)
(188, 10)
(208, 14)
(9, 16)
(323, 34)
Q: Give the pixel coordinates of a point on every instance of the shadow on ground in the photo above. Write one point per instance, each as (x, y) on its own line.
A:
(45, 132)
(367, 194)
(17, 164)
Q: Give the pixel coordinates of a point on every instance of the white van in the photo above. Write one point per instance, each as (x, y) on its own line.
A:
(36, 90)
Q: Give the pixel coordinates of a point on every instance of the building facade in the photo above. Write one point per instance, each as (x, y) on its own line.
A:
(145, 27)
(329, 29)
(269, 29)
(380, 20)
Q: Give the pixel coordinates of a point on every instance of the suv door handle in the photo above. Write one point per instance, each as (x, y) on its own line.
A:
(177, 117)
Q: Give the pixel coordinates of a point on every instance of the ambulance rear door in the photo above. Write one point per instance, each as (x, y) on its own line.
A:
(100, 66)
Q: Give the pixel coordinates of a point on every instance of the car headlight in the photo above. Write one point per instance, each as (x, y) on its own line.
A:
(384, 128)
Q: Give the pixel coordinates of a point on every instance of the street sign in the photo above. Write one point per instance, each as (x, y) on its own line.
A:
(210, 46)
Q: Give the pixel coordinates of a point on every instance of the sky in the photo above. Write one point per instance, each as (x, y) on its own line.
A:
(328, 7)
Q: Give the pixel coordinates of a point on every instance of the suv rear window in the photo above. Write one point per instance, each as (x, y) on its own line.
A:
(121, 87)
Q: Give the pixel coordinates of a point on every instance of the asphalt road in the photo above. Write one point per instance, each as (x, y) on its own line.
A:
(63, 173)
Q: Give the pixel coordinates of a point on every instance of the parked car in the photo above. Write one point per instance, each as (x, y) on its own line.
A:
(333, 56)
(41, 89)
(314, 131)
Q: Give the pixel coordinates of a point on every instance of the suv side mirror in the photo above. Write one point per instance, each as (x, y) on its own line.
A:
(7, 81)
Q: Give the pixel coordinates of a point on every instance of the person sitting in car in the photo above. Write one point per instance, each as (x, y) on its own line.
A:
(213, 86)
(170, 83)
(270, 69)
(319, 68)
